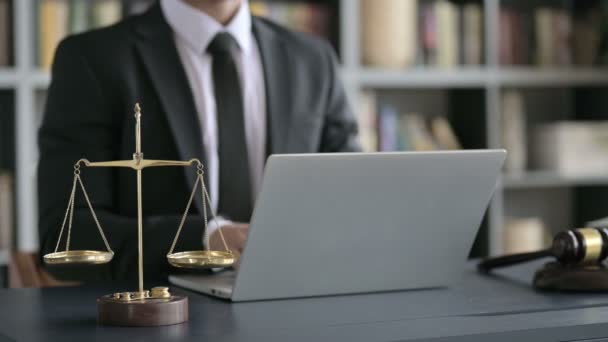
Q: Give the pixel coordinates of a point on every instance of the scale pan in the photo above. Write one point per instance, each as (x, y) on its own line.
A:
(202, 259)
(82, 257)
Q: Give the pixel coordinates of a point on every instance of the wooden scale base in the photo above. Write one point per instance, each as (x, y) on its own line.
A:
(557, 277)
(148, 309)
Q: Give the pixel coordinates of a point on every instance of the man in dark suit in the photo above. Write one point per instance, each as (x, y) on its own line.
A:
(214, 83)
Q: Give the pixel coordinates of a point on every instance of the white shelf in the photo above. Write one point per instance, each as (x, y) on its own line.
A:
(40, 79)
(462, 77)
(473, 77)
(5, 257)
(8, 78)
(545, 77)
(549, 179)
(421, 77)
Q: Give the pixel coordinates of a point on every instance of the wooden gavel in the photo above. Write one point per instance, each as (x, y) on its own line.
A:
(582, 246)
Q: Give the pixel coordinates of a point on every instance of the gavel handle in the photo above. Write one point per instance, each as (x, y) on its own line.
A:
(508, 260)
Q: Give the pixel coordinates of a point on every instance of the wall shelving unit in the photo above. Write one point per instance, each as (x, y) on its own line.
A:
(490, 79)
(487, 82)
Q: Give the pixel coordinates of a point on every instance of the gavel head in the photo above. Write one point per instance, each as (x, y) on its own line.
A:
(583, 246)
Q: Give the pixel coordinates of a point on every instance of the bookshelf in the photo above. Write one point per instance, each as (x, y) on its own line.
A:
(558, 200)
(469, 96)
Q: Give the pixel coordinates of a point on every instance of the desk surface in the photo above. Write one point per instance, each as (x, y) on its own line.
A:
(481, 308)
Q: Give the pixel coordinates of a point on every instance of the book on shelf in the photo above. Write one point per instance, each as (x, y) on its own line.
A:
(403, 132)
(79, 16)
(522, 235)
(516, 43)
(451, 34)
(367, 121)
(52, 26)
(572, 148)
(428, 34)
(513, 123)
(311, 18)
(554, 36)
(58, 18)
(444, 134)
(562, 28)
(411, 131)
(416, 133)
(7, 210)
(505, 47)
(389, 32)
(5, 33)
(586, 38)
(388, 127)
(439, 33)
(447, 34)
(546, 47)
(471, 34)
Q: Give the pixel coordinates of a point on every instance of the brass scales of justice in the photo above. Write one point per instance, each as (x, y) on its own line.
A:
(142, 307)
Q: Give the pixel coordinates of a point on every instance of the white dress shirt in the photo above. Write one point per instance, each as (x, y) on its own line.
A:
(193, 32)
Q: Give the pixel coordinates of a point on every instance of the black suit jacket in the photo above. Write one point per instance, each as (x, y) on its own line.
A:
(98, 76)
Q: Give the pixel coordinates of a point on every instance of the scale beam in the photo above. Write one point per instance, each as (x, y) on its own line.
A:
(139, 164)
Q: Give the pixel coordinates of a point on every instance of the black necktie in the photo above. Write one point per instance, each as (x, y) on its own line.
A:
(235, 200)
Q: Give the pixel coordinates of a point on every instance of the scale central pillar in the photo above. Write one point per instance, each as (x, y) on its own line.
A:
(138, 157)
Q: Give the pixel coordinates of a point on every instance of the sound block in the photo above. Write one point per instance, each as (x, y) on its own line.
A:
(557, 277)
(147, 312)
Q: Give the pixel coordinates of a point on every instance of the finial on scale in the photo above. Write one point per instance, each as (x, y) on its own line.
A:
(137, 111)
(138, 156)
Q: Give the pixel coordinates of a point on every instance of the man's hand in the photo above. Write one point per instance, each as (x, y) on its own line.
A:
(235, 235)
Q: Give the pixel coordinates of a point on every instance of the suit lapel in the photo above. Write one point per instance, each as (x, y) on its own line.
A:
(275, 61)
(159, 55)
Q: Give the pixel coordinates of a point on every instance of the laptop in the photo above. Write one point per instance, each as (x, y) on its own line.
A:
(330, 224)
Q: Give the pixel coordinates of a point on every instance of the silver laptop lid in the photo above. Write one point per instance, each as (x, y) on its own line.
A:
(351, 223)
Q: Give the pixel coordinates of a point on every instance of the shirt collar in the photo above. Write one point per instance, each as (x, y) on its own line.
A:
(198, 29)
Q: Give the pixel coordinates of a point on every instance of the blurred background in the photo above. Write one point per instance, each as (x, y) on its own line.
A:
(526, 75)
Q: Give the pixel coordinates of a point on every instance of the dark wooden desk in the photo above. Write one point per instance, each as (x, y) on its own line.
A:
(497, 308)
